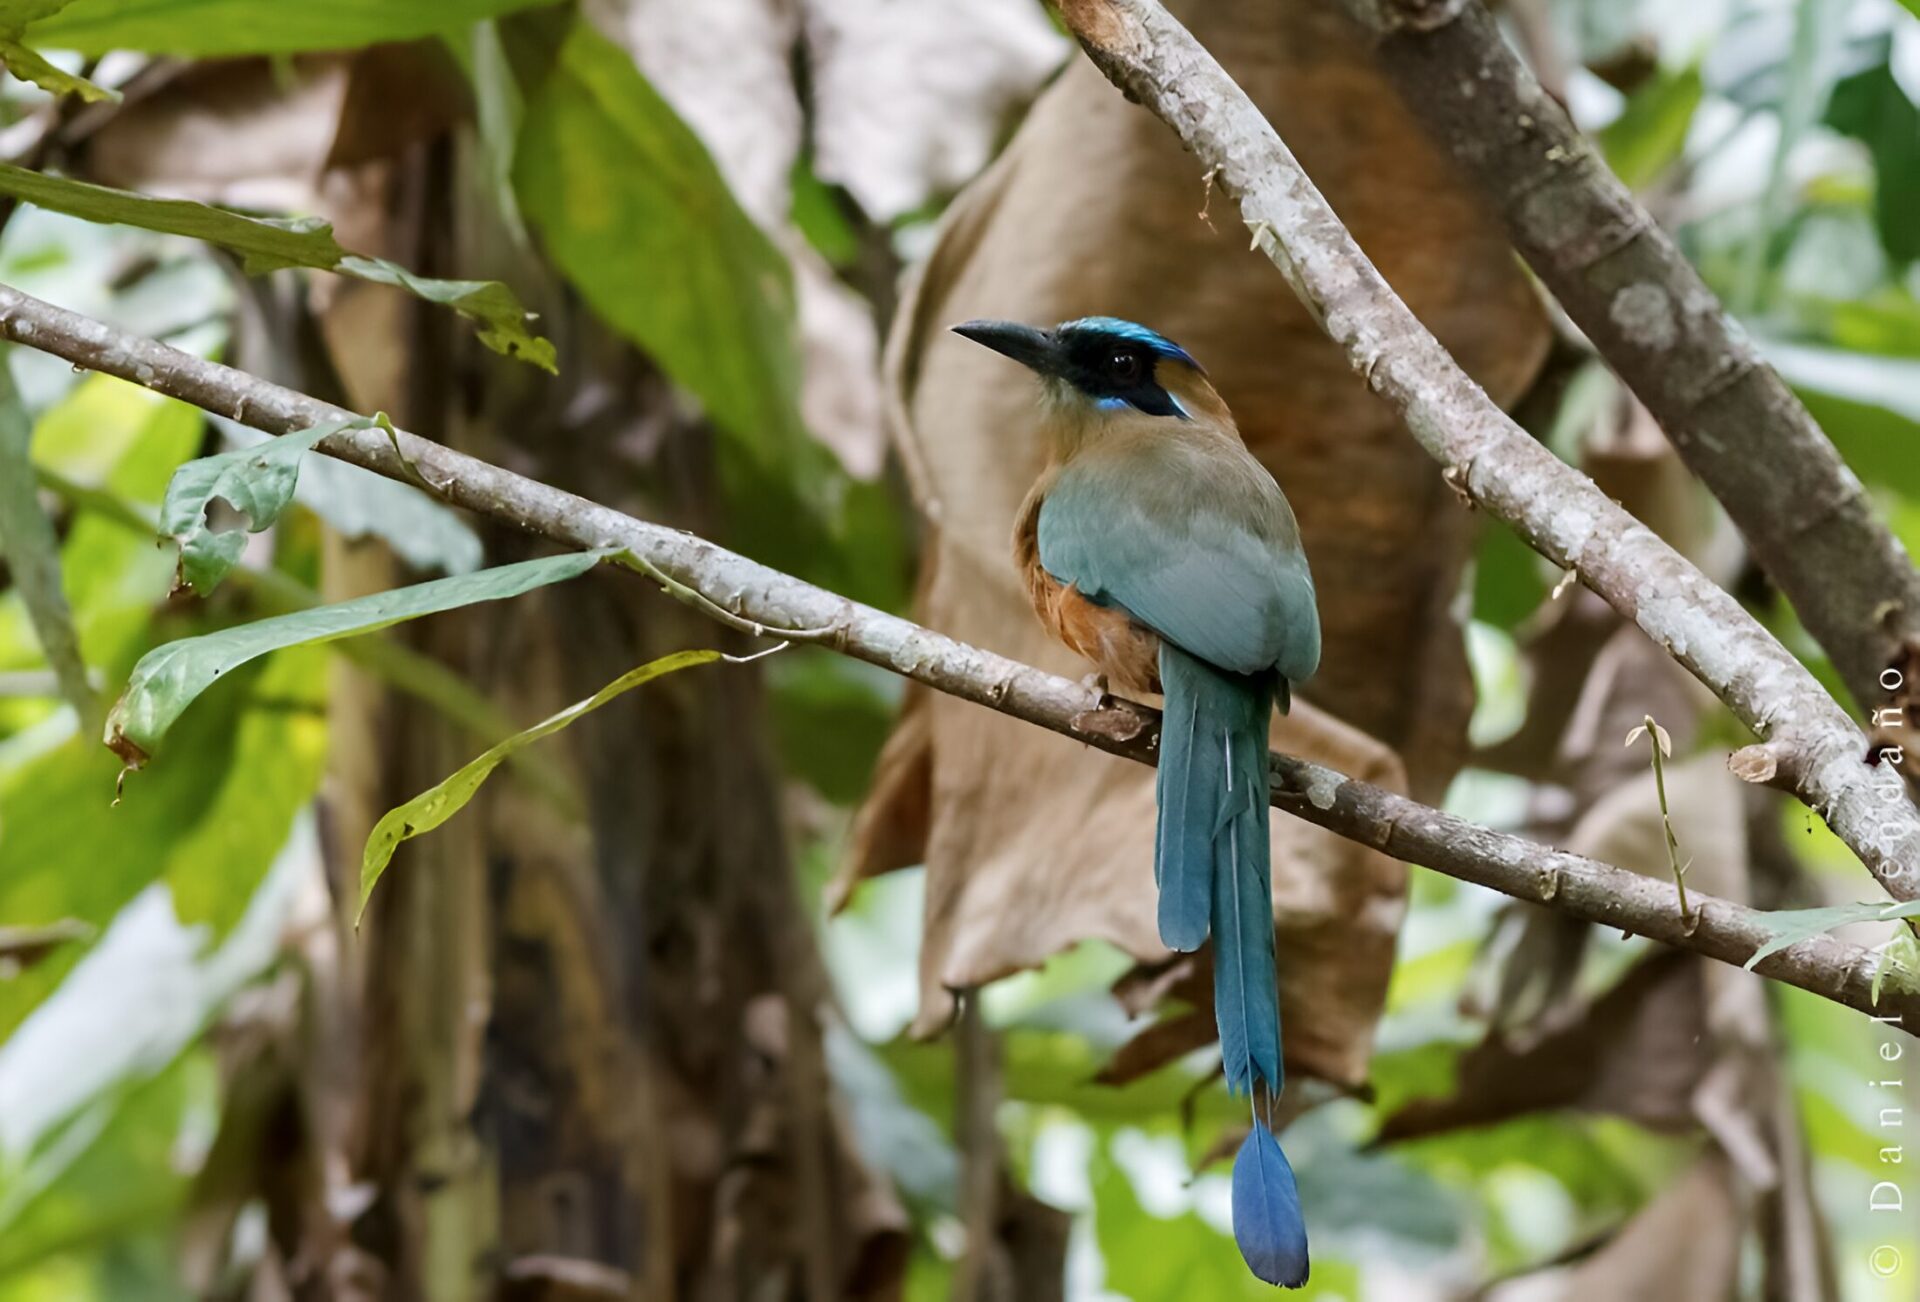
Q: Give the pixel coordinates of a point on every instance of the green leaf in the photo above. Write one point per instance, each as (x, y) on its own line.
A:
(1868, 405)
(112, 1171)
(268, 244)
(169, 677)
(1648, 136)
(1791, 926)
(422, 531)
(490, 305)
(830, 717)
(258, 482)
(25, 64)
(633, 211)
(208, 823)
(498, 108)
(442, 801)
(28, 65)
(420, 676)
(1507, 582)
(263, 245)
(207, 28)
(1886, 322)
(1900, 956)
(1813, 64)
(32, 552)
(1871, 107)
(126, 1016)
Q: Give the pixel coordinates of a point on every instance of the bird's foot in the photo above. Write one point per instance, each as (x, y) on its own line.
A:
(1097, 681)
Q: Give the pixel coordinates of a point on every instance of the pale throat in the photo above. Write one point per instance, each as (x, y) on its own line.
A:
(1074, 420)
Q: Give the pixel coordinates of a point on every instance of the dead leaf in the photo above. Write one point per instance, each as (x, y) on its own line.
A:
(1684, 1246)
(1660, 736)
(1756, 764)
(1031, 842)
(840, 346)
(244, 133)
(727, 67)
(1594, 677)
(1623, 827)
(1639, 1052)
(909, 99)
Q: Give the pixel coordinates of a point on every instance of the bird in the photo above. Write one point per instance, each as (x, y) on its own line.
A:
(1157, 547)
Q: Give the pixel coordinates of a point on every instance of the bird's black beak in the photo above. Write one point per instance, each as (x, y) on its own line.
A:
(1024, 344)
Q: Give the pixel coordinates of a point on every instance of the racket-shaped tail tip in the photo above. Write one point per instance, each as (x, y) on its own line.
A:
(1266, 1212)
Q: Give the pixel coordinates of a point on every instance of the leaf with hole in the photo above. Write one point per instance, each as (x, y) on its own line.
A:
(168, 678)
(442, 801)
(422, 531)
(258, 482)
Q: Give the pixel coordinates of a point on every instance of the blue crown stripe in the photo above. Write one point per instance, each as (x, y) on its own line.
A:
(1133, 330)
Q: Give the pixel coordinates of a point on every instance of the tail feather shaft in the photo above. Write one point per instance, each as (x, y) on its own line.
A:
(1211, 855)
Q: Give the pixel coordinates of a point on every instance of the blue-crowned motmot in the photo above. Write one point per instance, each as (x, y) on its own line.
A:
(1156, 546)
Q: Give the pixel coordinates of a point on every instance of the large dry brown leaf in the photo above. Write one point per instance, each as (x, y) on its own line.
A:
(1624, 826)
(1639, 1052)
(909, 99)
(1594, 680)
(243, 133)
(1682, 1247)
(726, 66)
(1032, 843)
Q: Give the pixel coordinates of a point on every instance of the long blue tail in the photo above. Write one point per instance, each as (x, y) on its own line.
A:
(1211, 864)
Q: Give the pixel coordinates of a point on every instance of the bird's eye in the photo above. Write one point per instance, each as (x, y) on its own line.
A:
(1125, 365)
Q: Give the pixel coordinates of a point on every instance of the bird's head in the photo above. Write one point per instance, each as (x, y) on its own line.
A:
(1101, 366)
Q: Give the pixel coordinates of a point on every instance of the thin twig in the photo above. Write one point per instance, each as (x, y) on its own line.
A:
(1662, 748)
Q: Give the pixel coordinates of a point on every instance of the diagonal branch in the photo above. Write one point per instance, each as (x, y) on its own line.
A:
(1633, 293)
(1819, 752)
(749, 591)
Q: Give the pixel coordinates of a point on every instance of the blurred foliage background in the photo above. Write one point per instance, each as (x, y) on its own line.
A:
(598, 1037)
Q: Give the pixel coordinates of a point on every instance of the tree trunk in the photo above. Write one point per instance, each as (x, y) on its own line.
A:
(591, 1044)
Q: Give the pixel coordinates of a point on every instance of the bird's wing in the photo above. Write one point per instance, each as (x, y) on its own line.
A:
(1196, 547)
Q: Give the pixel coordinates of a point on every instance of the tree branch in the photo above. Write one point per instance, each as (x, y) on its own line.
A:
(751, 592)
(1487, 457)
(1633, 293)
